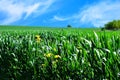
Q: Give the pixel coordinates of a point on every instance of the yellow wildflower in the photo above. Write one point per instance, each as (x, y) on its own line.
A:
(48, 55)
(57, 56)
(37, 37)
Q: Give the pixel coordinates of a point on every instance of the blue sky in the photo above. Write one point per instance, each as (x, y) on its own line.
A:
(59, 13)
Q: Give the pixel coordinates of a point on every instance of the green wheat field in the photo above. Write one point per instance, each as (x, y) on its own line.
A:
(38, 53)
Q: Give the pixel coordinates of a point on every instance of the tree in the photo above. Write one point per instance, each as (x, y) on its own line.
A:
(102, 29)
(69, 26)
(113, 25)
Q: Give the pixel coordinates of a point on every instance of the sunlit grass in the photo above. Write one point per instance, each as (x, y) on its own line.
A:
(59, 54)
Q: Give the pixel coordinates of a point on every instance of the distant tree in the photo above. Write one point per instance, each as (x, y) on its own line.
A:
(69, 26)
(102, 29)
(113, 25)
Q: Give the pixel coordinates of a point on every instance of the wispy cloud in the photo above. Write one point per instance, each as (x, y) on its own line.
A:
(99, 13)
(15, 10)
(31, 9)
(96, 14)
(58, 18)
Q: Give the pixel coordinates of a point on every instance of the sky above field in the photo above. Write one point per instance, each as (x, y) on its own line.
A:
(59, 13)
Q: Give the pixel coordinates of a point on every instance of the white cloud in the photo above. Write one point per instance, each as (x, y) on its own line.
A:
(57, 18)
(99, 13)
(14, 9)
(30, 9)
(96, 14)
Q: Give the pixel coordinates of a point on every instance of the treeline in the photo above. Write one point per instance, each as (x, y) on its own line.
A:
(113, 25)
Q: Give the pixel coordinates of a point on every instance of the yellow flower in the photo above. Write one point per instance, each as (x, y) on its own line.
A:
(57, 56)
(37, 37)
(48, 55)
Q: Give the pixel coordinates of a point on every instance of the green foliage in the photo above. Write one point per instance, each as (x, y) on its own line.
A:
(102, 29)
(113, 25)
(59, 55)
(69, 26)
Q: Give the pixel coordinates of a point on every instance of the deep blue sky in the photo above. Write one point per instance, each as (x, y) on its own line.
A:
(59, 13)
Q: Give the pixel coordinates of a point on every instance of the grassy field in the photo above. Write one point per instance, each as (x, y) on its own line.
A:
(34, 53)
